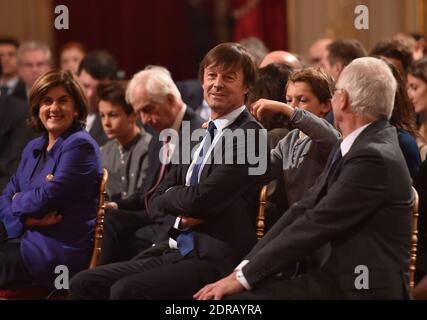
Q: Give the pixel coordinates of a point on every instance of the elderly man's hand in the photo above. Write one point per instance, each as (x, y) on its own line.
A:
(47, 220)
(217, 290)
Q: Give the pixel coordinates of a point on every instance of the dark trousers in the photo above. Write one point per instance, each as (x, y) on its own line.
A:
(157, 273)
(126, 233)
(13, 272)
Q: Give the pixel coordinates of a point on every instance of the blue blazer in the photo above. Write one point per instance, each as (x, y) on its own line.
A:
(69, 184)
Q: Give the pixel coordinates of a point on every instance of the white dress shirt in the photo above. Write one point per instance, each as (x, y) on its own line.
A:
(220, 123)
(90, 119)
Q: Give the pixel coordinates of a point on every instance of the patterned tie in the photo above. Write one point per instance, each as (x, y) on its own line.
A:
(185, 240)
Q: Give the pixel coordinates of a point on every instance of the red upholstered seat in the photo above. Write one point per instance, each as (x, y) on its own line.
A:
(24, 293)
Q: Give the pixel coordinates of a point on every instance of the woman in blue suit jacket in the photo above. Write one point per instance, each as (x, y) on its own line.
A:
(47, 210)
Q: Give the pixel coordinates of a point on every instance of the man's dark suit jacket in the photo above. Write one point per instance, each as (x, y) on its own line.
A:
(97, 131)
(136, 201)
(191, 93)
(359, 214)
(14, 135)
(420, 183)
(20, 91)
(226, 198)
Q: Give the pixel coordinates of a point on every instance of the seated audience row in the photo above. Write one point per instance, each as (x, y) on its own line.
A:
(173, 213)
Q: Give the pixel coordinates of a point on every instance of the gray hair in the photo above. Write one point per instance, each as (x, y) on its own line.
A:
(371, 87)
(158, 83)
(32, 46)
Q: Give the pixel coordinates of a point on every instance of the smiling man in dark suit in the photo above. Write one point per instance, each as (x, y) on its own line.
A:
(208, 206)
(351, 232)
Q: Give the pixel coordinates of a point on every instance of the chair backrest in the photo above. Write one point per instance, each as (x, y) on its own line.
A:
(99, 226)
(414, 241)
(260, 223)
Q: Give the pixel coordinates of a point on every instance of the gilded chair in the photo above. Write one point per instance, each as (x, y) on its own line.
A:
(99, 227)
(414, 241)
(260, 223)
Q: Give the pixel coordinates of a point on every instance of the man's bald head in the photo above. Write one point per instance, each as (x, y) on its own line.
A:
(281, 57)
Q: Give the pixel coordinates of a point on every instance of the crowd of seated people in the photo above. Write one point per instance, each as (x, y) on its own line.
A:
(330, 231)
(130, 226)
(339, 141)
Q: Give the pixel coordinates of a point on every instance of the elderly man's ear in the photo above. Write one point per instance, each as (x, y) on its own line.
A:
(171, 98)
(345, 101)
(341, 99)
(325, 108)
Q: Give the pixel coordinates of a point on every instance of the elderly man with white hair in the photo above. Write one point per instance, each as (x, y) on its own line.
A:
(351, 232)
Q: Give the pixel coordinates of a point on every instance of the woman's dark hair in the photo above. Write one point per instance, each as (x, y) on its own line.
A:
(395, 50)
(57, 78)
(402, 116)
(271, 85)
(418, 69)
